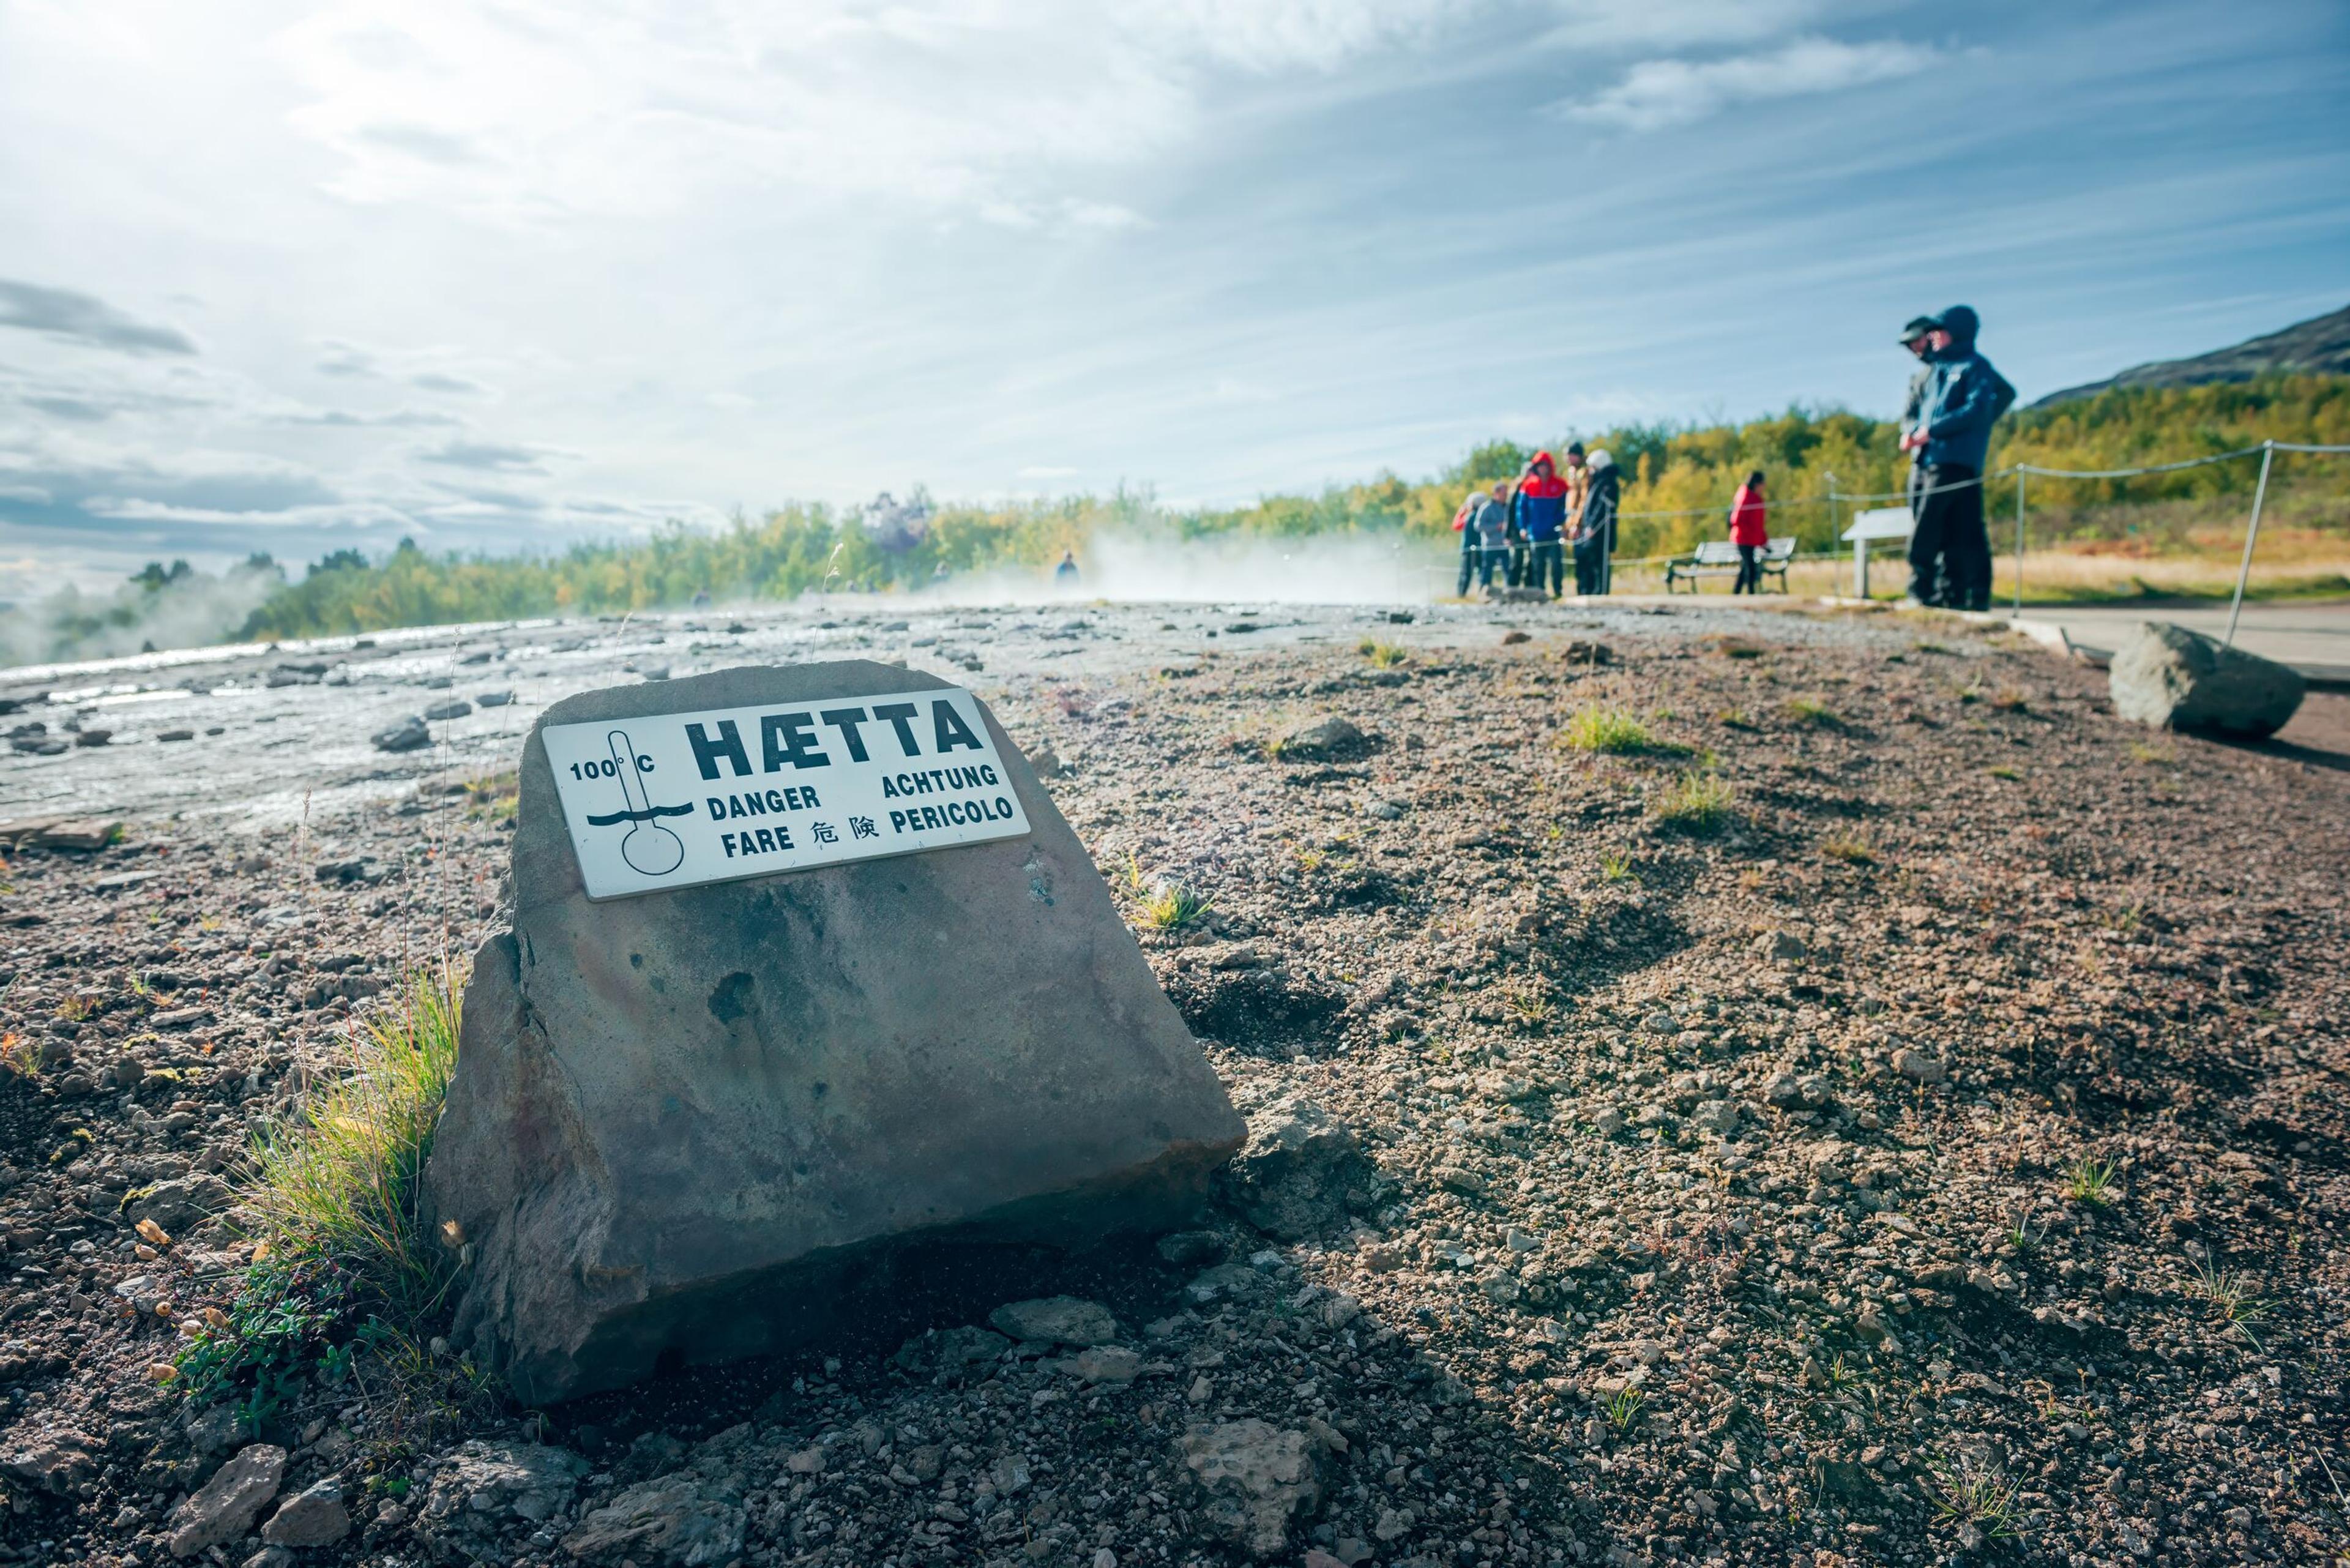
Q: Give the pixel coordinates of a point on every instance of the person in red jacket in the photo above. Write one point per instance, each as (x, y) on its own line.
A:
(1750, 531)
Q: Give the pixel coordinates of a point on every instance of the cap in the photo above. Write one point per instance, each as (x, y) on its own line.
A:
(1918, 326)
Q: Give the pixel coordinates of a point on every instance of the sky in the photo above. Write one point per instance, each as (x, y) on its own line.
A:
(503, 275)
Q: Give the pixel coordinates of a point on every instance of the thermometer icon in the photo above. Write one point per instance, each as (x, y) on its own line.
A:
(651, 850)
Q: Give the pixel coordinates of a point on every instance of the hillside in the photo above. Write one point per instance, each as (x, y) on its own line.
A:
(2320, 346)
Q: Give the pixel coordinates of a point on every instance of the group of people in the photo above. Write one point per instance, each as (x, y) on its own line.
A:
(1523, 531)
(1520, 532)
(1955, 396)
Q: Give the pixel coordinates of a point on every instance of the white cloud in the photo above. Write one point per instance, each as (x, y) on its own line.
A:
(1656, 94)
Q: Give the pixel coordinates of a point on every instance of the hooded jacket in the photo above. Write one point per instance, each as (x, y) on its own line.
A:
(1962, 399)
(1749, 518)
(1539, 507)
(1595, 526)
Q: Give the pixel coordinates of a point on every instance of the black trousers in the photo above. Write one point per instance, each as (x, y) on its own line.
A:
(1750, 570)
(1470, 557)
(1590, 567)
(1950, 552)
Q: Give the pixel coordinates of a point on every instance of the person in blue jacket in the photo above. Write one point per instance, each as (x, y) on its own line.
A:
(1950, 552)
(1539, 509)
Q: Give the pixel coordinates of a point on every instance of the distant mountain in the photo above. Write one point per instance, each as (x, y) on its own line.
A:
(2320, 345)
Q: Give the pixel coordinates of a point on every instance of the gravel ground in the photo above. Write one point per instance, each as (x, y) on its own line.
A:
(1938, 1156)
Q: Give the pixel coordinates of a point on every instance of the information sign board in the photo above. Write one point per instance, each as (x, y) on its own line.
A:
(678, 799)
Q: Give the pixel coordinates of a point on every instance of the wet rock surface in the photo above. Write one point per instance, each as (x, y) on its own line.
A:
(1739, 1288)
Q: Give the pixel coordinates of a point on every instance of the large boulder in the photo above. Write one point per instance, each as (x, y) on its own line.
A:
(2174, 678)
(726, 1120)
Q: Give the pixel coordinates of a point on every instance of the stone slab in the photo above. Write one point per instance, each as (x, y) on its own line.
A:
(730, 1119)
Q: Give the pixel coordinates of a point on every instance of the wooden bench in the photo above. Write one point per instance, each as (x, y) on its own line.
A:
(1718, 558)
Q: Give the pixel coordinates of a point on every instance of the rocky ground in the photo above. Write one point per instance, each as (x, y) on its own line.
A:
(1896, 1117)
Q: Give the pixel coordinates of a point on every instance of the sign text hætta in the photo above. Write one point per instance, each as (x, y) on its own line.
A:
(682, 798)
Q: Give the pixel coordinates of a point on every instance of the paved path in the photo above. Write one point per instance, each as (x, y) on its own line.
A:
(2312, 637)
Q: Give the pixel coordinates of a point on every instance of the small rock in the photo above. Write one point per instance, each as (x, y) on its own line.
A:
(1780, 946)
(169, 736)
(271, 1557)
(1609, 1121)
(1511, 638)
(228, 1503)
(680, 1519)
(181, 1203)
(1107, 1364)
(1917, 1067)
(486, 1485)
(1189, 1249)
(313, 1516)
(1061, 1320)
(409, 735)
(454, 708)
(1253, 1479)
(1718, 1117)
(493, 699)
(1661, 1023)
(805, 1462)
(1325, 739)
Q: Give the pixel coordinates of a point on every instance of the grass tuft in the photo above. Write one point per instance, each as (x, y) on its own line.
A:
(1613, 732)
(1624, 1410)
(1811, 711)
(1175, 907)
(2091, 1181)
(1698, 802)
(1615, 865)
(2232, 1296)
(1852, 849)
(1385, 655)
(1976, 1498)
(345, 1286)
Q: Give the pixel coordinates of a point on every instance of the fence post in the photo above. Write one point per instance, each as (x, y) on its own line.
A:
(2260, 494)
(2019, 539)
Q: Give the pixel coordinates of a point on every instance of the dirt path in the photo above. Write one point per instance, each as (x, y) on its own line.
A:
(1947, 1136)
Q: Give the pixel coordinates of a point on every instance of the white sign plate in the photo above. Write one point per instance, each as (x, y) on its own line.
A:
(673, 800)
(1884, 523)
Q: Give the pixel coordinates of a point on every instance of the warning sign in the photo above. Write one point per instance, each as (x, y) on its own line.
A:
(677, 799)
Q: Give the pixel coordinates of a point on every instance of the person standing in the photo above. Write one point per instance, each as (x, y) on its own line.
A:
(1594, 528)
(1917, 337)
(1484, 536)
(1469, 548)
(1750, 531)
(1540, 512)
(1964, 397)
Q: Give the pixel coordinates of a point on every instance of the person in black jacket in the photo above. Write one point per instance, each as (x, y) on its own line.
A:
(1963, 398)
(1595, 530)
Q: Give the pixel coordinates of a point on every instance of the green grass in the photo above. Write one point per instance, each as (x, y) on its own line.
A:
(1615, 865)
(2232, 1296)
(1385, 655)
(1625, 1408)
(1852, 849)
(1977, 1498)
(1698, 802)
(2091, 1181)
(1613, 731)
(1810, 712)
(1174, 908)
(345, 1286)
